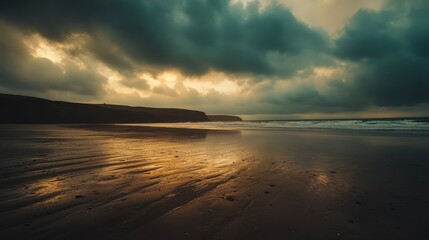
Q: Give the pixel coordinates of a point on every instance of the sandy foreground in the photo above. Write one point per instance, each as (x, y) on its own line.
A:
(132, 182)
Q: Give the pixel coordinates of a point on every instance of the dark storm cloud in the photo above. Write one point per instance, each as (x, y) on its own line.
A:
(336, 96)
(368, 35)
(108, 53)
(388, 55)
(194, 35)
(391, 48)
(386, 52)
(21, 71)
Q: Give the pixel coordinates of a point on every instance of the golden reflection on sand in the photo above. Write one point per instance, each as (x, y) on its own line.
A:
(100, 169)
(319, 181)
(168, 163)
(50, 188)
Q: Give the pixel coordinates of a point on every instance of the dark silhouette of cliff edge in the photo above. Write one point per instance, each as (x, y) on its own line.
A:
(24, 109)
(224, 118)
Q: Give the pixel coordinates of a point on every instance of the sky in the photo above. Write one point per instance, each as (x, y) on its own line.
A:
(257, 59)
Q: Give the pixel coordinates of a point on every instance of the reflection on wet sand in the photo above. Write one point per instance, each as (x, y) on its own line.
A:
(155, 170)
(133, 182)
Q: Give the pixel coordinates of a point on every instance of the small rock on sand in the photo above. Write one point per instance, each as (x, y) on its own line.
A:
(79, 196)
(229, 198)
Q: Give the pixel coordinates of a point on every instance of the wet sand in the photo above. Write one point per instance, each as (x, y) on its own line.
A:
(131, 182)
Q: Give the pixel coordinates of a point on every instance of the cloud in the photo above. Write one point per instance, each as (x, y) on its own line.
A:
(20, 71)
(218, 56)
(368, 35)
(194, 36)
(390, 48)
(328, 14)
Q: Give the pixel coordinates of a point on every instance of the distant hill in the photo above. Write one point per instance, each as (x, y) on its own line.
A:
(23, 109)
(224, 118)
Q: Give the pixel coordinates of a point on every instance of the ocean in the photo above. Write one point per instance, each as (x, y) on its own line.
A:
(399, 124)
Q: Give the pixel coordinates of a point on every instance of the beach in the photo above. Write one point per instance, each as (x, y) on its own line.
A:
(141, 182)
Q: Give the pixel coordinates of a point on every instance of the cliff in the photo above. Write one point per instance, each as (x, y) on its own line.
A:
(23, 109)
(224, 118)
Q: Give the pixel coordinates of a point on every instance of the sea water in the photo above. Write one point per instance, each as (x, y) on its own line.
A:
(403, 124)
